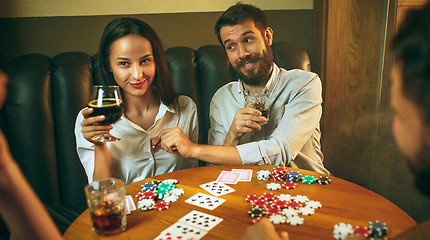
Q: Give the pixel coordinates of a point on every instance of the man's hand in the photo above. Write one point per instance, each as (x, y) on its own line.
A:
(91, 126)
(246, 120)
(174, 140)
(263, 230)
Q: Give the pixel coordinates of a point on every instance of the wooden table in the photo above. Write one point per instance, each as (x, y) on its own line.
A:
(342, 201)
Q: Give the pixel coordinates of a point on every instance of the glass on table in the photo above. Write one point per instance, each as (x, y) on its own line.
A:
(106, 101)
(106, 203)
(259, 101)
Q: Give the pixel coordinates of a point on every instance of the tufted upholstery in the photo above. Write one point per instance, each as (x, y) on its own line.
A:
(45, 94)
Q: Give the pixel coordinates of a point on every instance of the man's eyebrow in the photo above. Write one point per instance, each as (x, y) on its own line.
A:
(243, 34)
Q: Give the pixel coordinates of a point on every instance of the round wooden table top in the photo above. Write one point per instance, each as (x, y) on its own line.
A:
(342, 201)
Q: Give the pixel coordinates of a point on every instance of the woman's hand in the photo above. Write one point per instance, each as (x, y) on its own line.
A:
(91, 127)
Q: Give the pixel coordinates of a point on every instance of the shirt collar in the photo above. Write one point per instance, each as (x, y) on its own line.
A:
(163, 109)
(269, 84)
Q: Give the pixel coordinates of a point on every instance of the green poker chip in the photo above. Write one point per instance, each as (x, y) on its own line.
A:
(308, 179)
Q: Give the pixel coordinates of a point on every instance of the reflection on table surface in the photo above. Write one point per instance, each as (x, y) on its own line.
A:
(342, 201)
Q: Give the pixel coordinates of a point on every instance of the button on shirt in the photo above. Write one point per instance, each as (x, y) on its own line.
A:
(291, 136)
(132, 158)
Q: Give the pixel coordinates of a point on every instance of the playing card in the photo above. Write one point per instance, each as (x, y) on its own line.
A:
(228, 177)
(181, 231)
(205, 201)
(200, 220)
(129, 204)
(245, 174)
(216, 188)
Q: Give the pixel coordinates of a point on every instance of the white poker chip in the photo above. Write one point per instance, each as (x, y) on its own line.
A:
(284, 197)
(263, 175)
(146, 204)
(273, 186)
(301, 198)
(314, 204)
(295, 220)
(277, 219)
(171, 198)
(177, 191)
(306, 211)
(289, 212)
(342, 230)
(171, 181)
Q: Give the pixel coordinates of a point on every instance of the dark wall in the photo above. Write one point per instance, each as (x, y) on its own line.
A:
(52, 35)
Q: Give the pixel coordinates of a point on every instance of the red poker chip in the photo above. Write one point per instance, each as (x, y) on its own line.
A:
(252, 198)
(256, 220)
(362, 231)
(271, 211)
(149, 194)
(289, 185)
(260, 203)
(161, 206)
(280, 204)
(294, 205)
(268, 196)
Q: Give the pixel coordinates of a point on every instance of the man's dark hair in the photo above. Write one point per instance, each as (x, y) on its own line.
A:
(411, 48)
(121, 27)
(239, 13)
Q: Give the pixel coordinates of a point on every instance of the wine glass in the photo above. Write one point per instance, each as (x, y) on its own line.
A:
(107, 101)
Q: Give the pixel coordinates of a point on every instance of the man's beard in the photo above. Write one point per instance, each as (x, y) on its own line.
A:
(422, 170)
(256, 76)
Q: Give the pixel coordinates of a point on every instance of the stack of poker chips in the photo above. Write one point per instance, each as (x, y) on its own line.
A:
(294, 176)
(263, 175)
(375, 229)
(282, 208)
(165, 190)
(279, 173)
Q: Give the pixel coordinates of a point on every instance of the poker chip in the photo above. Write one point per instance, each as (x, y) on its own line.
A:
(268, 196)
(362, 231)
(308, 179)
(165, 186)
(301, 198)
(323, 180)
(161, 206)
(295, 220)
(289, 212)
(256, 220)
(289, 185)
(171, 198)
(277, 219)
(342, 230)
(294, 176)
(170, 181)
(263, 175)
(149, 186)
(260, 204)
(146, 195)
(279, 173)
(306, 211)
(273, 186)
(252, 198)
(280, 204)
(177, 191)
(256, 212)
(284, 197)
(314, 204)
(156, 182)
(146, 204)
(294, 205)
(271, 211)
(378, 229)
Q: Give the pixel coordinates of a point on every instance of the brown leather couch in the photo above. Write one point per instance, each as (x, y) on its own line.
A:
(45, 95)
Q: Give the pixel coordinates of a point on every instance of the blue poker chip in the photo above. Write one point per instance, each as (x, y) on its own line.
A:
(378, 229)
(294, 176)
(149, 186)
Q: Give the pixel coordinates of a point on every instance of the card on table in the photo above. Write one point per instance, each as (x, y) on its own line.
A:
(245, 174)
(201, 220)
(216, 188)
(228, 177)
(129, 204)
(205, 201)
(181, 231)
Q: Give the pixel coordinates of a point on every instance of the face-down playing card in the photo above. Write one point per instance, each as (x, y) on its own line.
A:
(205, 201)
